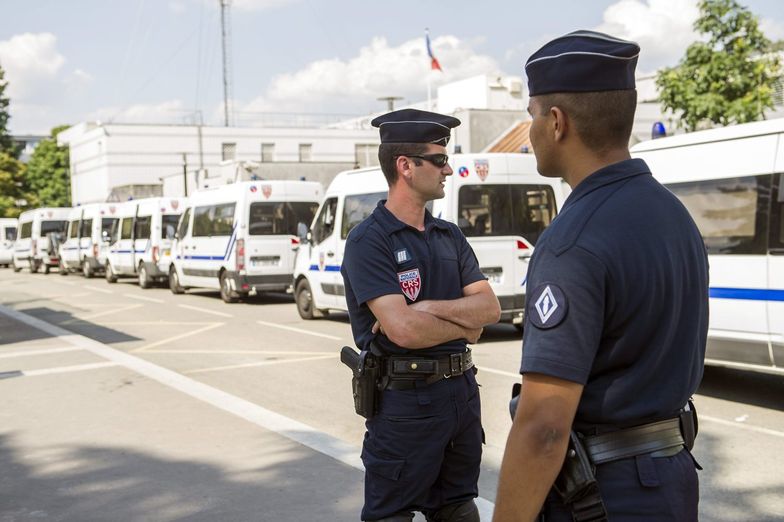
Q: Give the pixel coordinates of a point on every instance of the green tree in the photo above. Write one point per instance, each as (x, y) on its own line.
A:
(7, 145)
(12, 196)
(729, 77)
(47, 176)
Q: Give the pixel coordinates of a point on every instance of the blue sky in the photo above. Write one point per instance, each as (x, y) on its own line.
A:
(160, 60)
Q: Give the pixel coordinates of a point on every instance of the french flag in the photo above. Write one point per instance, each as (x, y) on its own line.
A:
(434, 65)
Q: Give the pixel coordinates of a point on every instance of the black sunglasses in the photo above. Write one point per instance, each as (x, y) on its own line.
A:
(439, 160)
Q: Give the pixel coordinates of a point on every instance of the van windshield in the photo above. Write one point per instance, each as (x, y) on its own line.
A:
(10, 233)
(107, 225)
(281, 218)
(505, 210)
(356, 208)
(53, 226)
(169, 225)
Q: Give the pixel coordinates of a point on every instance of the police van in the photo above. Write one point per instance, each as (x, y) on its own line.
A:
(499, 201)
(142, 238)
(87, 239)
(241, 238)
(732, 182)
(7, 238)
(40, 232)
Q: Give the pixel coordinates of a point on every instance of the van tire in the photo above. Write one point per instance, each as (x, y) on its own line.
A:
(33, 267)
(47, 268)
(174, 282)
(15, 267)
(225, 290)
(110, 277)
(304, 299)
(61, 268)
(87, 270)
(144, 279)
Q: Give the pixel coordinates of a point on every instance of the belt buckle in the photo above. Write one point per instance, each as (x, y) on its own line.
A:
(455, 365)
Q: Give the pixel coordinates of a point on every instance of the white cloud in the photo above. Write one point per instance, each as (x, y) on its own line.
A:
(177, 6)
(378, 70)
(663, 28)
(31, 61)
(169, 111)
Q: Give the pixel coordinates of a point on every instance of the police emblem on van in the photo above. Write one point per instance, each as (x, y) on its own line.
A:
(482, 167)
(266, 190)
(410, 283)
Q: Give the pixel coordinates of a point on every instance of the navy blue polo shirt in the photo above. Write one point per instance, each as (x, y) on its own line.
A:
(385, 256)
(617, 299)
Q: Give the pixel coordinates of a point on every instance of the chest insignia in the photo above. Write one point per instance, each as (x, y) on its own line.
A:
(401, 256)
(548, 306)
(410, 283)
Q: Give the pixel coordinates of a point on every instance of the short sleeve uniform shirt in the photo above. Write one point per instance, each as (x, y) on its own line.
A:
(617, 299)
(386, 256)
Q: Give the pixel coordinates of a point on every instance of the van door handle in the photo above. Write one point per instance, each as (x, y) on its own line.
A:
(330, 254)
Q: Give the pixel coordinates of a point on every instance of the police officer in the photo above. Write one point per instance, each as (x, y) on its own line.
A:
(415, 297)
(617, 308)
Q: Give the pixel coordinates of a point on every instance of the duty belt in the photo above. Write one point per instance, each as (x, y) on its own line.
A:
(659, 439)
(403, 373)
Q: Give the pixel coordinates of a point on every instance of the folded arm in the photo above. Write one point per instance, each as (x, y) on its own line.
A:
(477, 308)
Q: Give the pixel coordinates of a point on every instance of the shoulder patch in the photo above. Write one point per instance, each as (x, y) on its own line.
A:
(547, 306)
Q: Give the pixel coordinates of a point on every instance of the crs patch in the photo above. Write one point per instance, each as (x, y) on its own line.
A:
(410, 283)
(547, 306)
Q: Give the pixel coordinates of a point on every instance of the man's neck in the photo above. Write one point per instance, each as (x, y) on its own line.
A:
(584, 165)
(407, 209)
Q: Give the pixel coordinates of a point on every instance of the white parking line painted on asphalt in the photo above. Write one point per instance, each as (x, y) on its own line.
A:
(209, 326)
(236, 352)
(144, 298)
(61, 282)
(205, 310)
(96, 289)
(105, 312)
(741, 425)
(267, 419)
(151, 323)
(300, 330)
(499, 372)
(69, 369)
(25, 353)
(259, 363)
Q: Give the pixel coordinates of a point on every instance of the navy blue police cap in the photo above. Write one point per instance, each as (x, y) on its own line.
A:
(415, 126)
(582, 61)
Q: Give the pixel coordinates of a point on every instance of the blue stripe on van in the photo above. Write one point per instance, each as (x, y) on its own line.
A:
(750, 294)
(225, 255)
(327, 268)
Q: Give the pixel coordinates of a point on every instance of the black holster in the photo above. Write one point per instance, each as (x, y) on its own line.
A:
(366, 373)
(689, 424)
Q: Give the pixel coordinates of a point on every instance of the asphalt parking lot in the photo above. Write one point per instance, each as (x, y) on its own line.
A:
(130, 404)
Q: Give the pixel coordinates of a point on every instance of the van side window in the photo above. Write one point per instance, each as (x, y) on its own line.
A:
(126, 228)
(777, 215)
(26, 230)
(267, 219)
(213, 220)
(73, 229)
(505, 210)
(169, 225)
(58, 227)
(10, 233)
(108, 228)
(357, 208)
(143, 225)
(732, 213)
(183, 229)
(87, 228)
(325, 223)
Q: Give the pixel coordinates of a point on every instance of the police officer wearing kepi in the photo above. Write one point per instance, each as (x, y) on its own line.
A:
(416, 297)
(616, 310)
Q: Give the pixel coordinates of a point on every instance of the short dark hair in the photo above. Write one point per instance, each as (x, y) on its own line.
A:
(603, 120)
(389, 152)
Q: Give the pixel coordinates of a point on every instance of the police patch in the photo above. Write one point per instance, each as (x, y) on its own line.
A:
(410, 283)
(547, 306)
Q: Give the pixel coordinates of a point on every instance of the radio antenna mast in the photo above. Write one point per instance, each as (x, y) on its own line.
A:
(226, 39)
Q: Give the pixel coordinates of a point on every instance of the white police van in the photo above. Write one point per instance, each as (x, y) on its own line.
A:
(40, 232)
(732, 181)
(241, 238)
(142, 238)
(499, 201)
(7, 238)
(87, 240)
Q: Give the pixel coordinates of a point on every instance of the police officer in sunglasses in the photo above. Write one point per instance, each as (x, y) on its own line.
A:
(416, 298)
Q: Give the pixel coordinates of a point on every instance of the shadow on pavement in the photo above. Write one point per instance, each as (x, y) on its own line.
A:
(73, 324)
(84, 483)
(758, 389)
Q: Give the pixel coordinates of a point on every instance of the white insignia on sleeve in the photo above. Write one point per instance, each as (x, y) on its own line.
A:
(546, 305)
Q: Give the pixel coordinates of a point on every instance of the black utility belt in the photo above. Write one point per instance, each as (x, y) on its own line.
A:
(659, 439)
(404, 373)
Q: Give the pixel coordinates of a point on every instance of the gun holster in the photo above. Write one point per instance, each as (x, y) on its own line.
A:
(689, 424)
(576, 483)
(366, 372)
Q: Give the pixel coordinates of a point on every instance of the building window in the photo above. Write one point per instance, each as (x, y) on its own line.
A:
(267, 152)
(228, 151)
(365, 155)
(305, 150)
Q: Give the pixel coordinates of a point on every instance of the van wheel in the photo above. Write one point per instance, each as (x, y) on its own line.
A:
(47, 268)
(174, 282)
(61, 268)
(225, 290)
(33, 267)
(110, 277)
(144, 280)
(87, 270)
(15, 266)
(304, 298)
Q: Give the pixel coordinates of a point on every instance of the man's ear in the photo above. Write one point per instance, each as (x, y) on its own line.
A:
(404, 167)
(560, 123)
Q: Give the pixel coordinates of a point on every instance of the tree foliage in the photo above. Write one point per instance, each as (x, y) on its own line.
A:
(727, 78)
(7, 145)
(47, 176)
(12, 193)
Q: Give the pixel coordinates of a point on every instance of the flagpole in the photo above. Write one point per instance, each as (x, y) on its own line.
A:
(429, 103)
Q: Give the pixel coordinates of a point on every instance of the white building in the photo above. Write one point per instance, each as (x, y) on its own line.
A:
(112, 162)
